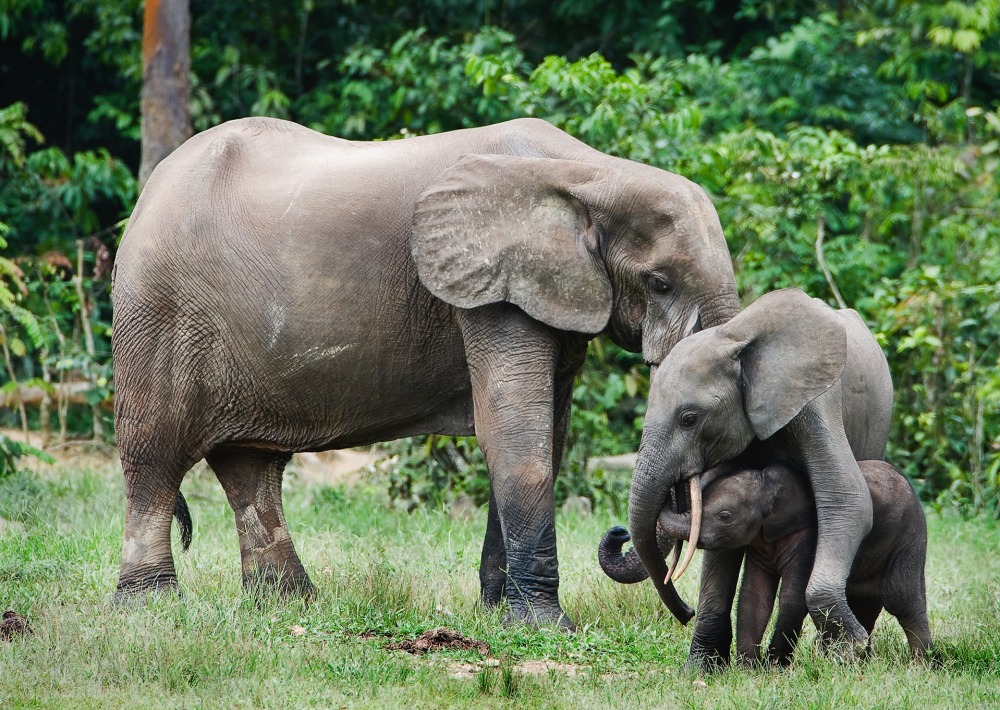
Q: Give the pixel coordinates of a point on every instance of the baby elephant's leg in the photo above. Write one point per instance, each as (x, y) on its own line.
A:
(753, 611)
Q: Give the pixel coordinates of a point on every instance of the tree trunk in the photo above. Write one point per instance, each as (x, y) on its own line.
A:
(166, 63)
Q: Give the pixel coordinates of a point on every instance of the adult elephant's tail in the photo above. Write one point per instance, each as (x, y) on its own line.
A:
(183, 516)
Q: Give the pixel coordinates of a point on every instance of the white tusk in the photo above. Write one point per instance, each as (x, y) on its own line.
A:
(673, 560)
(695, 527)
(694, 323)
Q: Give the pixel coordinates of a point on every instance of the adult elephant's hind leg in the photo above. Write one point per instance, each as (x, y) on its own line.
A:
(252, 481)
(147, 563)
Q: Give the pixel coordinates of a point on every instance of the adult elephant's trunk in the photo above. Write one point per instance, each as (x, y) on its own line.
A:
(719, 311)
(646, 499)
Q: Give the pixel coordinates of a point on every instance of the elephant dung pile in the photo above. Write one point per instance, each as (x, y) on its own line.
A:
(13, 625)
(440, 639)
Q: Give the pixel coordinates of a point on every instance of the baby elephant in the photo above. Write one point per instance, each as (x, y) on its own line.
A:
(771, 513)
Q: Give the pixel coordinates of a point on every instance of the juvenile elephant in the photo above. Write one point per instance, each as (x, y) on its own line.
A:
(770, 513)
(278, 290)
(788, 380)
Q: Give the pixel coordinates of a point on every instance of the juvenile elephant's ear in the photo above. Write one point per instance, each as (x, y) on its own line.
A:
(788, 502)
(792, 348)
(503, 228)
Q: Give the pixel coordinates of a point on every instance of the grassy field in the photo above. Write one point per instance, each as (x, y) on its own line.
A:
(387, 576)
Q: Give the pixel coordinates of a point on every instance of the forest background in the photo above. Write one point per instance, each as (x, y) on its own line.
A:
(851, 149)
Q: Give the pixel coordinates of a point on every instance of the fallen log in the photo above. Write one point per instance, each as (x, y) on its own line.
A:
(72, 392)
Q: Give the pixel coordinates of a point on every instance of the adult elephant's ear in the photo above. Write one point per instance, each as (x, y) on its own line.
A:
(792, 348)
(497, 228)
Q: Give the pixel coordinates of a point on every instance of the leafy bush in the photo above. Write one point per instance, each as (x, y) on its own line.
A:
(11, 451)
(905, 233)
(852, 149)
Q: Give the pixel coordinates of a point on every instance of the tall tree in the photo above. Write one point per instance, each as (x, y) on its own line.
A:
(166, 94)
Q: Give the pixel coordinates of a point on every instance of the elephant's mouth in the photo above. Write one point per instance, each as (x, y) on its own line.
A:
(675, 569)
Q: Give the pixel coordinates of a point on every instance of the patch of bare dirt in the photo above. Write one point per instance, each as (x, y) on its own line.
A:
(340, 467)
(530, 668)
(13, 625)
(543, 667)
(440, 639)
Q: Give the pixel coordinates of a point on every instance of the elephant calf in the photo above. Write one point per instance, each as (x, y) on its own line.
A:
(771, 513)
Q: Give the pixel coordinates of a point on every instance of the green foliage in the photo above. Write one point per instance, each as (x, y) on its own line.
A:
(434, 469)
(11, 451)
(53, 209)
(851, 149)
(416, 86)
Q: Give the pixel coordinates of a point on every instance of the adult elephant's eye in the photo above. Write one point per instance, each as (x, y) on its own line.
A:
(689, 419)
(658, 284)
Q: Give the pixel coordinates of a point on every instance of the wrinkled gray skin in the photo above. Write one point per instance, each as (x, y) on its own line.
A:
(771, 514)
(805, 385)
(278, 290)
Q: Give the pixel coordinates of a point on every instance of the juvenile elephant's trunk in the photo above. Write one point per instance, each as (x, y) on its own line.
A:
(627, 568)
(647, 497)
(674, 525)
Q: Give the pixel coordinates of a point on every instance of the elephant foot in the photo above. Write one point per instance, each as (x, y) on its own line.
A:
(492, 590)
(276, 570)
(703, 665)
(137, 592)
(843, 650)
(841, 637)
(708, 658)
(270, 581)
(537, 616)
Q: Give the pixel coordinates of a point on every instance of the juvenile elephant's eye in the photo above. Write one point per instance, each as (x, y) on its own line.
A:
(658, 284)
(724, 516)
(689, 419)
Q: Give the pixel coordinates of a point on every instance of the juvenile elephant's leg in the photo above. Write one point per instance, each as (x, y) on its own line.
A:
(917, 629)
(147, 562)
(252, 481)
(867, 611)
(512, 363)
(792, 611)
(493, 566)
(844, 513)
(905, 598)
(753, 611)
(904, 592)
(713, 630)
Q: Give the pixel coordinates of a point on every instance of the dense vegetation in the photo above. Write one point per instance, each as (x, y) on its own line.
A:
(852, 149)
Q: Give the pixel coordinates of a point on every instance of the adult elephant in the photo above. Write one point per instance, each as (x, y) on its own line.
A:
(278, 290)
(788, 380)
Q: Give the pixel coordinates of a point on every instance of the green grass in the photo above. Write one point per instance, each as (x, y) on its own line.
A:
(384, 576)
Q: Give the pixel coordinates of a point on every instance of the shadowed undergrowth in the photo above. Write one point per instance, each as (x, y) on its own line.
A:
(385, 576)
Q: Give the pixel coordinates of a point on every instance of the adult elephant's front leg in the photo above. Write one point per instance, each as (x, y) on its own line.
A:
(512, 362)
(844, 517)
(493, 565)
